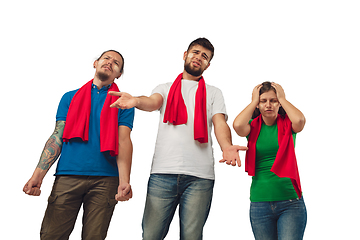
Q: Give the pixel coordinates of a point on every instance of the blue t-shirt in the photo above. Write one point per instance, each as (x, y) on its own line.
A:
(84, 158)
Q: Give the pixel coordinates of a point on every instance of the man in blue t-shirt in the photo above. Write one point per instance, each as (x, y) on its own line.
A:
(96, 153)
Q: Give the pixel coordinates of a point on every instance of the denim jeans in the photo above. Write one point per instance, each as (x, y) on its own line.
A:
(165, 192)
(283, 220)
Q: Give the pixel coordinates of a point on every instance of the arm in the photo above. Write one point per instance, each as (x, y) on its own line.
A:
(241, 123)
(223, 136)
(296, 117)
(126, 101)
(49, 155)
(124, 159)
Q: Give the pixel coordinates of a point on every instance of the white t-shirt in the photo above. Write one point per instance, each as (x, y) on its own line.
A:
(176, 151)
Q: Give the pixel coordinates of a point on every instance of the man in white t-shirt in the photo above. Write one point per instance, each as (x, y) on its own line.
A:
(182, 171)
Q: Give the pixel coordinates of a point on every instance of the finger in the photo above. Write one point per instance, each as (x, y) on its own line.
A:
(129, 194)
(34, 191)
(122, 199)
(241, 148)
(25, 188)
(37, 192)
(230, 162)
(119, 196)
(238, 162)
(126, 190)
(113, 93)
(115, 104)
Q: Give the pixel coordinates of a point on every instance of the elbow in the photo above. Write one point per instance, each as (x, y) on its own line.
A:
(299, 125)
(240, 130)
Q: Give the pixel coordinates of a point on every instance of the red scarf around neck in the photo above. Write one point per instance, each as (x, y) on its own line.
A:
(176, 113)
(285, 164)
(77, 119)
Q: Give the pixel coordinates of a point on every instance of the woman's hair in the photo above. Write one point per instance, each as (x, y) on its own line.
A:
(266, 86)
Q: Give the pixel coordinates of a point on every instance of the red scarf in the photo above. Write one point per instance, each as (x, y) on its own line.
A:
(176, 113)
(77, 120)
(285, 164)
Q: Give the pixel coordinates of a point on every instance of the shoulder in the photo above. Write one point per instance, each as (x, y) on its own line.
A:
(210, 89)
(162, 89)
(67, 97)
(164, 85)
(70, 94)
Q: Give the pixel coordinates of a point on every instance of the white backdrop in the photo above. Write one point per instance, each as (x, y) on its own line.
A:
(311, 48)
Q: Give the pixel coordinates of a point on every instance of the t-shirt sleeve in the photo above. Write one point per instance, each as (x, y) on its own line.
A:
(64, 106)
(161, 89)
(126, 117)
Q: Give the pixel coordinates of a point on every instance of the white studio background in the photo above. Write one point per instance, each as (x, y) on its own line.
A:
(311, 48)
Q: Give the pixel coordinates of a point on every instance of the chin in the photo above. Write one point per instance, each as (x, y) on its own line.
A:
(269, 115)
(103, 76)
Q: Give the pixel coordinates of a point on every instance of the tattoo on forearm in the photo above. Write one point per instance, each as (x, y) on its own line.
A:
(52, 147)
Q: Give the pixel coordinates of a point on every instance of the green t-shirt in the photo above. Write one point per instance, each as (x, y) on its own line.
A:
(267, 186)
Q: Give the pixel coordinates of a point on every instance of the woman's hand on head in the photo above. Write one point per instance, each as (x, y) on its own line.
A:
(256, 94)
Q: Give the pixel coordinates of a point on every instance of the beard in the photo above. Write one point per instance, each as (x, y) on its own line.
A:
(103, 76)
(190, 70)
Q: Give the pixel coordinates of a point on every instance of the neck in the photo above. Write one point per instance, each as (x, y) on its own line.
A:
(188, 76)
(99, 83)
(269, 121)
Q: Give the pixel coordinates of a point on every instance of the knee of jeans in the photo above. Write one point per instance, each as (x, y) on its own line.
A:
(153, 234)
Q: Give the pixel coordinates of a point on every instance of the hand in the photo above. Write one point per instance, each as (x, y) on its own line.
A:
(124, 192)
(231, 155)
(279, 91)
(256, 94)
(125, 100)
(32, 187)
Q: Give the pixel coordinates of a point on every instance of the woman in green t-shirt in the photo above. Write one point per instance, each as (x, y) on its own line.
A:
(270, 122)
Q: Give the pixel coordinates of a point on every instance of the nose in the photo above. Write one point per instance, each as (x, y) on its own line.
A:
(197, 56)
(110, 61)
(267, 104)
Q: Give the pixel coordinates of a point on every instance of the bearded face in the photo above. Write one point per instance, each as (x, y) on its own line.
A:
(196, 60)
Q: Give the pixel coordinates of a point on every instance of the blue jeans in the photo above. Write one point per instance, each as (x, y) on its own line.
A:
(165, 192)
(283, 220)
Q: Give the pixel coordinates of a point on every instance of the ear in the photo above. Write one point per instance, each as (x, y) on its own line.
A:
(95, 63)
(185, 54)
(119, 76)
(207, 66)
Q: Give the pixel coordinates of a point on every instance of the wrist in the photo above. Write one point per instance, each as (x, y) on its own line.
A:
(282, 99)
(124, 180)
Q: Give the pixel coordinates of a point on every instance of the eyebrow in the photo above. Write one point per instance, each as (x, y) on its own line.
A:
(112, 58)
(203, 54)
(268, 98)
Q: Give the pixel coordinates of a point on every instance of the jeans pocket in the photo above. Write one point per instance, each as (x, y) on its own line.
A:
(112, 203)
(52, 199)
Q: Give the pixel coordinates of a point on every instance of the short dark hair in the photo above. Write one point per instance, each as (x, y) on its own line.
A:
(266, 86)
(204, 43)
(122, 67)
